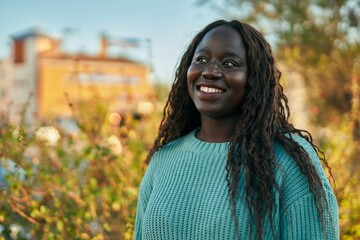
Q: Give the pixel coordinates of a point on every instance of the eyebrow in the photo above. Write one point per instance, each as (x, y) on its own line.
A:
(227, 53)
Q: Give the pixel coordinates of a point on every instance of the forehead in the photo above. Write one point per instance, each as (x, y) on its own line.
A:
(222, 37)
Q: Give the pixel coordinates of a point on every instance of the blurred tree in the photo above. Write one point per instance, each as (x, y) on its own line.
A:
(317, 38)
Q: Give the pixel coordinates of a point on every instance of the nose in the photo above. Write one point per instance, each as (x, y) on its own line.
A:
(212, 71)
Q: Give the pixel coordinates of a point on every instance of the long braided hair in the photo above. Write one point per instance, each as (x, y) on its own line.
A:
(264, 119)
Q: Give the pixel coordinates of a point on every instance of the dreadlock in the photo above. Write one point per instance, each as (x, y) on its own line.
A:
(264, 119)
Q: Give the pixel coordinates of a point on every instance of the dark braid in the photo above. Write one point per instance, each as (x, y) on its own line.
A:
(263, 120)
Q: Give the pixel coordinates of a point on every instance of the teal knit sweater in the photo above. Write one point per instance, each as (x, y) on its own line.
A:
(184, 195)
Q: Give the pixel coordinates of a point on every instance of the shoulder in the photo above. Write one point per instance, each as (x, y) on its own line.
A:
(299, 201)
(157, 162)
(176, 144)
(285, 159)
(167, 152)
(291, 179)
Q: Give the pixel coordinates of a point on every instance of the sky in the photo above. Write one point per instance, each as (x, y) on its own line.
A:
(170, 26)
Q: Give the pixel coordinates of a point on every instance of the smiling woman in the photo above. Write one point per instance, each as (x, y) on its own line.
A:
(217, 77)
(226, 163)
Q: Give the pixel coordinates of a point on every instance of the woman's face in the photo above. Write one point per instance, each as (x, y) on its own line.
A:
(217, 75)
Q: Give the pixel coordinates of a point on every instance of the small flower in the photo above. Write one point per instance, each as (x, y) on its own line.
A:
(115, 119)
(15, 133)
(145, 108)
(48, 134)
(15, 229)
(114, 145)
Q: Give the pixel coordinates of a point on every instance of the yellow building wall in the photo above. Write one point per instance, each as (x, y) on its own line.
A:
(121, 85)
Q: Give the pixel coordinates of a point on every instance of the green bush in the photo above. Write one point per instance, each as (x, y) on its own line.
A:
(80, 185)
(343, 151)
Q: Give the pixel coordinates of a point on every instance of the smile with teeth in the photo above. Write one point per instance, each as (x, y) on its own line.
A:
(210, 90)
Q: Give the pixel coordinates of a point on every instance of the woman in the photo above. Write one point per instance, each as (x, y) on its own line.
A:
(226, 163)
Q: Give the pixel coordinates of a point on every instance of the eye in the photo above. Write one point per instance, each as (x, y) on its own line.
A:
(201, 60)
(230, 64)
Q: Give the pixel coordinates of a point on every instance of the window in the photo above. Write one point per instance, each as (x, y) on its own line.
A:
(20, 83)
(19, 51)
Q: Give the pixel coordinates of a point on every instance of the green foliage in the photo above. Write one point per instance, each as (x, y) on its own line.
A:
(343, 152)
(82, 185)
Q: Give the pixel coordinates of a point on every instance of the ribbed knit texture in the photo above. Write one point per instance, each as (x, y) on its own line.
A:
(184, 195)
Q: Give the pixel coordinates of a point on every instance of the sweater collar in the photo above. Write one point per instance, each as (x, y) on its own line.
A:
(194, 143)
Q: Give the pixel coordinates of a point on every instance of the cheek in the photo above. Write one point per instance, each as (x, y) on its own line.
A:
(240, 84)
(241, 80)
(192, 74)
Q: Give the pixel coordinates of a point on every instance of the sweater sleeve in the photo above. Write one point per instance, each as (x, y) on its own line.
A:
(143, 198)
(300, 218)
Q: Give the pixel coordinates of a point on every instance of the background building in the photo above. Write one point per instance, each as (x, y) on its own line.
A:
(5, 84)
(40, 73)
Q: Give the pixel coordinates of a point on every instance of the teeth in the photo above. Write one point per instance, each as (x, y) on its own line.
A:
(210, 90)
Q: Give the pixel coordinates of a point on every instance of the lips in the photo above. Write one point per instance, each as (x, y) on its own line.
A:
(209, 88)
(208, 91)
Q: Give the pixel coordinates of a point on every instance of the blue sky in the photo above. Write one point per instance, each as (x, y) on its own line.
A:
(169, 24)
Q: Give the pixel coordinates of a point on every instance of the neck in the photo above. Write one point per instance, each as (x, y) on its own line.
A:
(216, 130)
